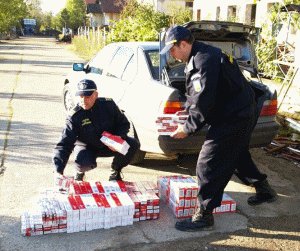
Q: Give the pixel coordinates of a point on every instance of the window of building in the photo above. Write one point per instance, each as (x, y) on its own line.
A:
(218, 13)
(198, 15)
(231, 15)
(189, 4)
(250, 14)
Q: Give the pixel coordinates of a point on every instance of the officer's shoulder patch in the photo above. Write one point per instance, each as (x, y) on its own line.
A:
(105, 99)
(229, 56)
(74, 110)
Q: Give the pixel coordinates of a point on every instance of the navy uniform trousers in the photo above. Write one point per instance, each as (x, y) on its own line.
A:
(224, 153)
(85, 158)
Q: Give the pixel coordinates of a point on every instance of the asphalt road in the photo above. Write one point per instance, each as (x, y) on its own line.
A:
(32, 71)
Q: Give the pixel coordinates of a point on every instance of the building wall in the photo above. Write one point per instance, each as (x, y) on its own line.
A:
(241, 10)
(103, 19)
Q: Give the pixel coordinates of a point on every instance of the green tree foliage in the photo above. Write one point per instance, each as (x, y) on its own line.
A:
(178, 14)
(77, 13)
(139, 22)
(64, 18)
(10, 13)
(47, 18)
(266, 48)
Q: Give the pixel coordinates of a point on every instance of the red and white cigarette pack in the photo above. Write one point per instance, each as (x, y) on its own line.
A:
(117, 143)
(100, 205)
(168, 123)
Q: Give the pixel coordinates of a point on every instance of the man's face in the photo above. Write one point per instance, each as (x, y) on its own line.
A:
(87, 102)
(180, 51)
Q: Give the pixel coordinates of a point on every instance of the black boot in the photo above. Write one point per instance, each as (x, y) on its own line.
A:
(115, 173)
(202, 220)
(264, 193)
(79, 176)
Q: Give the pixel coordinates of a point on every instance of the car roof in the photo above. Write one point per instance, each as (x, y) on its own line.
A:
(144, 45)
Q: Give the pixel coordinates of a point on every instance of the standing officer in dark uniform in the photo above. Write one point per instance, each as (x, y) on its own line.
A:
(220, 96)
(84, 127)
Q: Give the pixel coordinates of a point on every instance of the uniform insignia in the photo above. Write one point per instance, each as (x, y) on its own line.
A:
(105, 99)
(197, 85)
(229, 56)
(74, 110)
(198, 75)
(82, 86)
(86, 122)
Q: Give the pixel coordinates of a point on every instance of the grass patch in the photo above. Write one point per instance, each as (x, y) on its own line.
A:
(86, 48)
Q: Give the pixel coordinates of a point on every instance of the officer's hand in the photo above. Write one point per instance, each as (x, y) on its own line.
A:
(179, 133)
(58, 177)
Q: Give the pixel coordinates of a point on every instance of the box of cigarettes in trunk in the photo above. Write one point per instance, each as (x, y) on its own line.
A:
(117, 143)
(168, 123)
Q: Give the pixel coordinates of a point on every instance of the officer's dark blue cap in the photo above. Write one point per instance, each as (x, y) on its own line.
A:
(174, 35)
(85, 87)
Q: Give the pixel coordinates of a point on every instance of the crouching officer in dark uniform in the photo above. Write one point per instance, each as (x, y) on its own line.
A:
(84, 127)
(220, 96)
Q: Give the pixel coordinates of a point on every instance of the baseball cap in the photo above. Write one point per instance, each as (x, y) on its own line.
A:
(174, 35)
(85, 87)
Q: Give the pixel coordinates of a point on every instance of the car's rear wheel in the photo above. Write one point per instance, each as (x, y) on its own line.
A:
(140, 155)
(68, 99)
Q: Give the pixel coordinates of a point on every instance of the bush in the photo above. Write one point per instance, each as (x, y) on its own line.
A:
(87, 48)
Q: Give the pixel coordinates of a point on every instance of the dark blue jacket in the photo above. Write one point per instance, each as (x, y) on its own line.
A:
(217, 91)
(85, 127)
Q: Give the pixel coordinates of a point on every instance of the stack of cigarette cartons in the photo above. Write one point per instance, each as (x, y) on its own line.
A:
(88, 206)
(180, 194)
(227, 205)
(167, 124)
(117, 143)
(47, 215)
(144, 194)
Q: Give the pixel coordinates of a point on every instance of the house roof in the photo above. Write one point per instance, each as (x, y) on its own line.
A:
(93, 8)
(291, 7)
(105, 6)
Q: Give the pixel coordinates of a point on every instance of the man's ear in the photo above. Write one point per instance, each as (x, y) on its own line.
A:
(96, 94)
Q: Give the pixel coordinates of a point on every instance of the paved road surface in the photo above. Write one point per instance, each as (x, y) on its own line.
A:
(32, 71)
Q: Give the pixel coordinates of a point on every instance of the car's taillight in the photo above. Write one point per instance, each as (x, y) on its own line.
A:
(269, 108)
(172, 107)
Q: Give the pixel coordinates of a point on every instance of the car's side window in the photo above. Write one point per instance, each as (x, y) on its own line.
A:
(119, 62)
(153, 61)
(130, 70)
(102, 59)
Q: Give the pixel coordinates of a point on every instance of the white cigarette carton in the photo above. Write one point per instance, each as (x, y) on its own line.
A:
(81, 206)
(117, 143)
(76, 226)
(75, 208)
(100, 205)
(89, 225)
(82, 225)
(101, 222)
(94, 187)
(128, 203)
(70, 227)
(95, 208)
(107, 223)
(114, 208)
(107, 207)
(88, 206)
